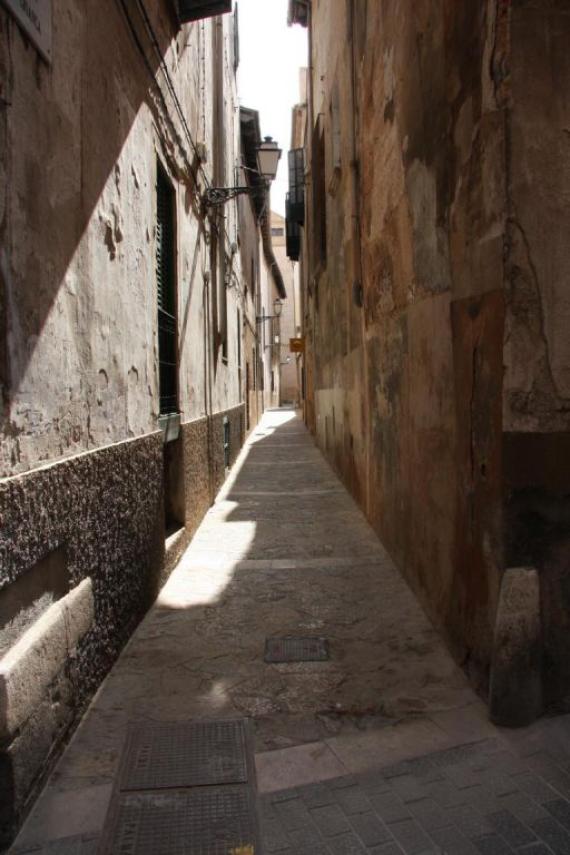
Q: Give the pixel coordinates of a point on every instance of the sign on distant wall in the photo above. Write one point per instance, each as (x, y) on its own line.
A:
(34, 17)
(297, 345)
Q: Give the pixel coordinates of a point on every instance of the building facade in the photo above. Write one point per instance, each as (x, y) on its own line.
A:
(123, 356)
(435, 265)
(289, 320)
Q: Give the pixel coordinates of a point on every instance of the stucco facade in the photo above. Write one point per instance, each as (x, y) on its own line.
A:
(435, 295)
(99, 467)
(289, 321)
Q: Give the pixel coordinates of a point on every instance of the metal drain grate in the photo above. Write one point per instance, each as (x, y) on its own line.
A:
(185, 755)
(295, 649)
(208, 820)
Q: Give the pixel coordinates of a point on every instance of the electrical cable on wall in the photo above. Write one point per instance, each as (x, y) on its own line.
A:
(170, 84)
(151, 73)
(154, 40)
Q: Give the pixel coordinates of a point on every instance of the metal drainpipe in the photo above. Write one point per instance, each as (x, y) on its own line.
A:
(208, 384)
(308, 262)
(357, 240)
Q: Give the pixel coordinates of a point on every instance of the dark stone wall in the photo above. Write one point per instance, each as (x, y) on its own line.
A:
(105, 509)
(536, 445)
(203, 460)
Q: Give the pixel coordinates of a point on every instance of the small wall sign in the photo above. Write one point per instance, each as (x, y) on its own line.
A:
(297, 345)
(34, 17)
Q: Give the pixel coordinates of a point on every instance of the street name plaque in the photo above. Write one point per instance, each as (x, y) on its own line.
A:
(34, 17)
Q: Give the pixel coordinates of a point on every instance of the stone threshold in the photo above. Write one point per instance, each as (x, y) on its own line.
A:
(355, 753)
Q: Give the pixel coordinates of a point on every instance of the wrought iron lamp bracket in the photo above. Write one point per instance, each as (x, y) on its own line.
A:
(215, 196)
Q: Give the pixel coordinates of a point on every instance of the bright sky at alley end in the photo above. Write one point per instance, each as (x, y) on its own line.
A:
(271, 54)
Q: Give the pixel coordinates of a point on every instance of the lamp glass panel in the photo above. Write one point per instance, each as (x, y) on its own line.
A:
(268, 155)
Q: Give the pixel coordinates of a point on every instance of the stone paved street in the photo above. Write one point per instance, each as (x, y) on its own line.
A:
(475, 799)
(383, 748)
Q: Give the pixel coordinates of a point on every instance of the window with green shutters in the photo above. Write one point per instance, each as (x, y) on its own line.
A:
(166, 294)
(297, 186)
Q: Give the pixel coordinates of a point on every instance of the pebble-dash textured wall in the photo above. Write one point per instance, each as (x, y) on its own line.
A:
(203, 460)
(105, 509)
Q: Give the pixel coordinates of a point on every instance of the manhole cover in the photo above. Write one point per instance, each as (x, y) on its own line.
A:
(296, 649)
(208, 821)
(177, 754)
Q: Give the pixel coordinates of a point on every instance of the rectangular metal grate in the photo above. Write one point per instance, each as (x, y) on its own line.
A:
(179, 754)
(294, 649)
(208, 821)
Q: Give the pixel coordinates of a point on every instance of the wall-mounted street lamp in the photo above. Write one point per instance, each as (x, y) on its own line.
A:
(268, 155)
(277, 308)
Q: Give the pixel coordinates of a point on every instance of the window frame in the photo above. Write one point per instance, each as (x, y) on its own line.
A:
(167, 304)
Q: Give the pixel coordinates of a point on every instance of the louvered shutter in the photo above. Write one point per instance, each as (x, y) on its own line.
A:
(292, 233)
(166, 295)
(297, 186)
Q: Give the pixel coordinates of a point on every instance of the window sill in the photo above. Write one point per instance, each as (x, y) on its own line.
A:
(170, 426)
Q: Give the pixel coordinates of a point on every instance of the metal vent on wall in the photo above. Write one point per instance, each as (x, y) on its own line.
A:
(194, 10)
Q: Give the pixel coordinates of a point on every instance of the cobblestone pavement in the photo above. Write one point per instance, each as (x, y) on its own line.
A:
(285, 551)
(474, 799)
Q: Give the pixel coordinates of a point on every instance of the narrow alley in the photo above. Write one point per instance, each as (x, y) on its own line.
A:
(284, 427)
(382, 748)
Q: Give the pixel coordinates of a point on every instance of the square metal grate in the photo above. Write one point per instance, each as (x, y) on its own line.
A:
(207, 820)
(179, 754)
(295, 649)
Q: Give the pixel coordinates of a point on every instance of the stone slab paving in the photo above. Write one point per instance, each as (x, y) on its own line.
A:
(285, 551)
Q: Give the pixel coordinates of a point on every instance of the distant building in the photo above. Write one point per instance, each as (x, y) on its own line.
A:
(290, 320)
(264, 284)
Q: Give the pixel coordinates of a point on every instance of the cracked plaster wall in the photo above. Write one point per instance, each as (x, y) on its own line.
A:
(79, 438)
(78, 364)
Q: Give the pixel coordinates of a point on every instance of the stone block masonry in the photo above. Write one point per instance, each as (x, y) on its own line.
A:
(436, 321)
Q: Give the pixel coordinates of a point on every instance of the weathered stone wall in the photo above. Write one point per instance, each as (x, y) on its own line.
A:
(437, 342)
(288, 370)
(77, 265)
(269, 355)
(536, 403)
(83, 464)
(408, 387)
